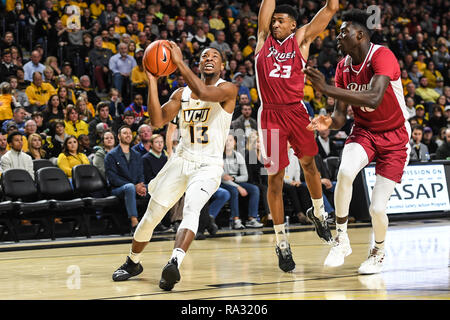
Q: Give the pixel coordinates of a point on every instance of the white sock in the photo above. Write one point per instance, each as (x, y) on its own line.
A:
(179, 254)
(135, 257)
(379, 246)
(319, 210)
(280, 233)
(341, 227)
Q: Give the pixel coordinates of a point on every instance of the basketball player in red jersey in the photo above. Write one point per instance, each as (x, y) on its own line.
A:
(368, 79)
(281, 53)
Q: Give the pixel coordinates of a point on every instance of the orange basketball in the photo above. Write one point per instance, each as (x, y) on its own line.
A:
(157, 59)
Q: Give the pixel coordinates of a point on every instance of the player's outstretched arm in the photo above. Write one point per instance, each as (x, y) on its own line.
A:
(306, 34)
(223, 93)
(264, 19)
(160, 116)
(367, 98)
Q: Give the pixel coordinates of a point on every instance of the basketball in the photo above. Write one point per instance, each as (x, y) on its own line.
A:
(157, 59)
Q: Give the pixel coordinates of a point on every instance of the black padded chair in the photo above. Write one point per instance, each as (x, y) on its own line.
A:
(89, 184)
(54, 186)
(41, 163)
(332, 164)
(6, 208)
(19, 188)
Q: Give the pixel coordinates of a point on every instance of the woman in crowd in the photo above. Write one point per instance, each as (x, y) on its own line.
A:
(235, 180)
(108, 142)
(75, 126)
(71, 156)
(35, 149)
(53, 111)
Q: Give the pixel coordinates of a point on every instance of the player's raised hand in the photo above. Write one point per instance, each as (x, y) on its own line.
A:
(175, 53)
(320, 123)
(316, 77)
(150, 75)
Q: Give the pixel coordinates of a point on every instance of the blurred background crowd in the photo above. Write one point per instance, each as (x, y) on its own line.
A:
(73, 68)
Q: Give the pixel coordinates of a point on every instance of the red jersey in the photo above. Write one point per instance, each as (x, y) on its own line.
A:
(279, 76)
(391, 113)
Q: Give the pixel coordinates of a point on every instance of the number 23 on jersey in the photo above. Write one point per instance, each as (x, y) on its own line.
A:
(280, 71)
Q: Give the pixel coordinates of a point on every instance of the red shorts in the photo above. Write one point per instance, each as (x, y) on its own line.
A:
(279, 124)
(389, 149)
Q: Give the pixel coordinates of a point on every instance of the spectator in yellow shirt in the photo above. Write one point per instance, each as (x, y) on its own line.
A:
(6, 101)
(71, 156)
(118, 28)
(432, 74)
(74, 126)
(38, 92)
(96, 8)
(215, 23)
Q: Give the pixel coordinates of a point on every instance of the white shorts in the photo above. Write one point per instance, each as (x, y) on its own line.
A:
(177, 175)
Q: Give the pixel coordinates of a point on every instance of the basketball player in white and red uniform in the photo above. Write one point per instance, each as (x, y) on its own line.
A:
(280, 55)
(368, 79)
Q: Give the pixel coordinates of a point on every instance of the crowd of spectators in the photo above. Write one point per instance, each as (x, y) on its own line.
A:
(71, 73)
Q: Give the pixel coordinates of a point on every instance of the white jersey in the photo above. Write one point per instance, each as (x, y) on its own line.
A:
(204, 127)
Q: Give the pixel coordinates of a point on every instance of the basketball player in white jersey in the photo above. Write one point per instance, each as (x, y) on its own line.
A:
(206, 106)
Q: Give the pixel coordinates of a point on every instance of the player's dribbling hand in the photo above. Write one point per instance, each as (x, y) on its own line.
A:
(175, 53)
(316, 77)
(320, 123)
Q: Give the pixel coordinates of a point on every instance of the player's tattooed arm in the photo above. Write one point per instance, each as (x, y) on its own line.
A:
(370, 98)
(264, 19)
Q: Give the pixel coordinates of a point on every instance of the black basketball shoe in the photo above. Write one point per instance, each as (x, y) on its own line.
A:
(285, 261)
(170, 275)
(321, 226)
(127, 270)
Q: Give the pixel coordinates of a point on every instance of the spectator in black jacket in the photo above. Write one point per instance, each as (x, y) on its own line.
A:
(102, 116)
(443, 152)
(327, 148)
(7, 68)
(99, 60)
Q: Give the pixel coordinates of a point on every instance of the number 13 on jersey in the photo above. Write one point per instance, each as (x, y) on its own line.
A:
(280, 71)
(198, 134)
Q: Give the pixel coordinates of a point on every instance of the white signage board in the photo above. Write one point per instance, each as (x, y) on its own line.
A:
(423, 189)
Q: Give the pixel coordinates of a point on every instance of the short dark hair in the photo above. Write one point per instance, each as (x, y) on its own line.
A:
(129, 113)
(417, 127)
(12, 135)
(357, 17)
(123, 127)
(101, 105)
(291, 11)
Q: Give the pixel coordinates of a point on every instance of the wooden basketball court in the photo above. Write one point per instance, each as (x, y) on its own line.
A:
(235, 266)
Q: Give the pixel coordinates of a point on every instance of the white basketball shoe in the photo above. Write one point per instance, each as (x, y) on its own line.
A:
(374, 263)
(341, 248)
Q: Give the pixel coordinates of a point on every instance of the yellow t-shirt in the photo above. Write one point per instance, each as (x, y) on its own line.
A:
(308, 93)
(138, 76)
(216, 24)
(41, 94)
(96, 11)
(119, 29)
(5, 107)
(80, 128)
(66, 163)
(110, 46)
(422, 66)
